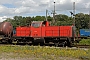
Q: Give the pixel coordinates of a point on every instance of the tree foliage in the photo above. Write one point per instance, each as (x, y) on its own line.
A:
(81, 20)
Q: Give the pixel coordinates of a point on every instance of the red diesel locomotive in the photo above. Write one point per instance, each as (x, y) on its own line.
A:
(41, 32)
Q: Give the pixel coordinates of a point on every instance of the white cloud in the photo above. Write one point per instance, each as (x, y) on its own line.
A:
(77, 1)
(2, 8)
(3, 18)
(6, 1)
(24, 7)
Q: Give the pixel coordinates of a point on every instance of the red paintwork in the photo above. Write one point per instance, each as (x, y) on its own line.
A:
(47, 23)
(47, 31)
(22, 31)
(66, 31)
(36, 32)
(54, 31)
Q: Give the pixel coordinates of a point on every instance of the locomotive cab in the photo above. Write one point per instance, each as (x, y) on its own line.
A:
(39, 23)
(37, 30)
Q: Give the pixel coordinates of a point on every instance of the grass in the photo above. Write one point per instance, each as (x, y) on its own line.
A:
(42, 52)
(85, 42)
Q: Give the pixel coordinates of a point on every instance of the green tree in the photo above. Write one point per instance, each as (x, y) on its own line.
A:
(81, 20)
(39, 18)
(28, 20)
(49, 18)
(62, 19)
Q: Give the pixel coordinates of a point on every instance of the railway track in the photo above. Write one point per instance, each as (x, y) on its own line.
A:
(83, 46)
(73, 47)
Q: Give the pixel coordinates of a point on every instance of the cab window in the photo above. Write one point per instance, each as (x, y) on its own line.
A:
(35, 24)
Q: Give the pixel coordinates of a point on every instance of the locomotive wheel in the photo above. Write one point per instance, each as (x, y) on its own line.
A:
(57, 44)
(69, 42)
(41, 44)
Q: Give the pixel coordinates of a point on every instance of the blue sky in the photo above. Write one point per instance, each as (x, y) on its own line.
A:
(11, 8)
(9, 5)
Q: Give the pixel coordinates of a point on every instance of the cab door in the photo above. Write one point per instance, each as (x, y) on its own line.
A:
(35, 32)
(36, 29)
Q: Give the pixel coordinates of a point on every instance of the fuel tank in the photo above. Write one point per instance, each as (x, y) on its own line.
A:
(6, 28)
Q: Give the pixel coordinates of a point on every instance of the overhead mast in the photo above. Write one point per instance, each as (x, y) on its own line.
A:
(46, 14)
(53, 22)
(74, 18)
(74, 13)
(89, 19)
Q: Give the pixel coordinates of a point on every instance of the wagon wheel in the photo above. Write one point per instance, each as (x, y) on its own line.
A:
(42, 43)
(10, 41)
